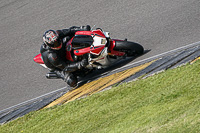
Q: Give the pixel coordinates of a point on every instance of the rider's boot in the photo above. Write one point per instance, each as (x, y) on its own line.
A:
(69, 78)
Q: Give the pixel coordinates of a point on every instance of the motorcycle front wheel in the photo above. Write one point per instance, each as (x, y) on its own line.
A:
(130, 48)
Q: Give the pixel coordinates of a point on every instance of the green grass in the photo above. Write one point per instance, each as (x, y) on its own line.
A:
(166, 102)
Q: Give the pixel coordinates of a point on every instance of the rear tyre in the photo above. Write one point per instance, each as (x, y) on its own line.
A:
(130, 48)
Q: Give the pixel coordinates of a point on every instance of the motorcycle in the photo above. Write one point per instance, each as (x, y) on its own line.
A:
(100, 50)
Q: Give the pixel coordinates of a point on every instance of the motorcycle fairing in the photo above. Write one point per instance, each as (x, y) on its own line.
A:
(38, 59)
(95, 42)
(82, 41)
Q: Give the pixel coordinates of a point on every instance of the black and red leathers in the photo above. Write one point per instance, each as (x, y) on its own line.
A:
(56, 61)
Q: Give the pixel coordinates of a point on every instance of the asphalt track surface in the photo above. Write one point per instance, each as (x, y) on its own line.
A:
(158, 25)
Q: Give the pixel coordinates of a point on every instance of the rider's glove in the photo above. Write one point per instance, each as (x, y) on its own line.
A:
(86, 28)
(74, 66)
(74, 29)
(83, 63)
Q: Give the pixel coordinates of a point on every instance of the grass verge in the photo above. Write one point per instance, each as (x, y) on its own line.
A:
(166, 102)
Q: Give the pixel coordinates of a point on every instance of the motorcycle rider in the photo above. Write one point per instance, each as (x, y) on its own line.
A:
(53, 51)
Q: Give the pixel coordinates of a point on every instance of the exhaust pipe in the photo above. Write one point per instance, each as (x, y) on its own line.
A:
(52, 75)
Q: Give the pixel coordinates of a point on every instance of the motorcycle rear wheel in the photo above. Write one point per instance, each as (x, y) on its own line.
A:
(131, 48)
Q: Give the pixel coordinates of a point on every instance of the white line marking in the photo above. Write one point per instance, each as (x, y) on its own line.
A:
(31, 100)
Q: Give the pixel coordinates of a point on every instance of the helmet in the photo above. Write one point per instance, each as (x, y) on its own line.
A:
(51, 38)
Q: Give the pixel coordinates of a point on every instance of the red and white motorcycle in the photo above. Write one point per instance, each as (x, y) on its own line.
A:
(100, 49)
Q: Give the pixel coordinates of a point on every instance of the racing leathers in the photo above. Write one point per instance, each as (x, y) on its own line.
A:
(56, 61)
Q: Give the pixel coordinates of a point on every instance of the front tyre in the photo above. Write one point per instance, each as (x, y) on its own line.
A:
(130, 48)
